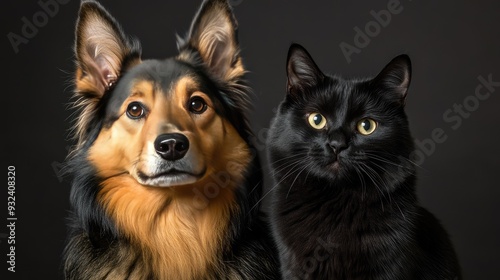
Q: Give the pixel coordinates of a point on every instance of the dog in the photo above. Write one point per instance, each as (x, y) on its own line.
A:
(164, 175)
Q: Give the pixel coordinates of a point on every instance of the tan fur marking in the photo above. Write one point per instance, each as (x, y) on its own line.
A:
(179, 237)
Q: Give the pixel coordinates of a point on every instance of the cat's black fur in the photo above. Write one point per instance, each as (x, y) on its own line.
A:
(344, 204)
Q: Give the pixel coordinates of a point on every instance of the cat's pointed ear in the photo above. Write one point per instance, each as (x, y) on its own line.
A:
(396, 77)
(213, 34)
(101, 49)
(302, 71)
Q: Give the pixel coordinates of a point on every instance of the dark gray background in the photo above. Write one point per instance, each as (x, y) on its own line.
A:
(451, 43)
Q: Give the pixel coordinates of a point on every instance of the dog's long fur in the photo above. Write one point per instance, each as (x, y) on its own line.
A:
(126, 225)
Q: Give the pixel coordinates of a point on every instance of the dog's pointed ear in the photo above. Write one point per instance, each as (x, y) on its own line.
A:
(302, 71)
(102, 50)
(395, 78)
(213, 34)
(102, 53)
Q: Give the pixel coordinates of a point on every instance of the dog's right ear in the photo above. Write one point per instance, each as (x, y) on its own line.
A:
(102, 50)
(213, 34)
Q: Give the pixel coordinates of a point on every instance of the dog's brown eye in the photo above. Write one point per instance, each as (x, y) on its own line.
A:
(197, 105)
(135, 110)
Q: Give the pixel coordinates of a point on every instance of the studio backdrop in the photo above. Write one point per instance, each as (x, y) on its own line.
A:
(452, 105)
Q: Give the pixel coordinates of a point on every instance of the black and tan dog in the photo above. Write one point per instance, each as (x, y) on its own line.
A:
(164, 177)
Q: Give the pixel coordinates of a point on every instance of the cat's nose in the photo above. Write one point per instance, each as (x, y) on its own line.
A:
(337, 146)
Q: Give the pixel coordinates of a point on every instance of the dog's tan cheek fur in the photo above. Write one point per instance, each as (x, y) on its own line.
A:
(114, 150)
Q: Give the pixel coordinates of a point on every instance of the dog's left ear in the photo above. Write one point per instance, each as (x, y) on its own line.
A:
(213, 34)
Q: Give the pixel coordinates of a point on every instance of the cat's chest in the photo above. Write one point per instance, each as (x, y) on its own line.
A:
(339, 214)
(346, 247)
(348, 224)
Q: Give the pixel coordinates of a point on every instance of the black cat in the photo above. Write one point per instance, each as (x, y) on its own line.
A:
(344, 204)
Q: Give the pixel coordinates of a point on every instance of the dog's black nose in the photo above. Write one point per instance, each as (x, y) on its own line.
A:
(172, 146)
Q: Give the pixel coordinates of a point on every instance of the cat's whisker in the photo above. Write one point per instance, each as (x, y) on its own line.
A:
(382, 180)
(307, 175)
(384, 160)
(294, 156)
(255, 187)
(289, 173)
(415, 164)
(286, 166)
(377, 174)
(292, 170)
(376, 155)
(401, 211)
(399, 158)
(289, 157)
(260, 200)
(368, 171)
(363, 187)
(298, 174)
(377, 158)
(385, 172)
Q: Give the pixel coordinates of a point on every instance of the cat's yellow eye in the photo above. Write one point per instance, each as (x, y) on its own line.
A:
(366, 126)
(317, 121)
